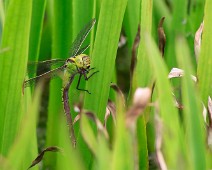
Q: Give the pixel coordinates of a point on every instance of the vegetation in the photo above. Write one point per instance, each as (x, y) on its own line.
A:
(150, 105)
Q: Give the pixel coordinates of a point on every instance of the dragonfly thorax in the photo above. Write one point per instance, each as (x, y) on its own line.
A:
(81, 61)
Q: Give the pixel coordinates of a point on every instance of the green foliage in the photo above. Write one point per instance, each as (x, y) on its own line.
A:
(15, 37)
(168, 112)
(44, 29)
(142, 62)
(104, 54)
(193, 120)
(38, 9)
(61, 39)
(205, 61)
(26, 132)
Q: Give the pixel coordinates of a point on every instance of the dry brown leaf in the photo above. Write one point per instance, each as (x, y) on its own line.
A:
(197, 40)
(204, 113)
(142, 96)
(119, 92)
(134, 51)
(40, 156)
(110, 110)
(76, 119)
(176, 72)
(161, 37)
(210, 110)
(107, 115)
(98, 123)
(159, 155)
(177, 104)
(140, 101)
(91, 116)
(210, 107)
(210, 137)
(122, 41)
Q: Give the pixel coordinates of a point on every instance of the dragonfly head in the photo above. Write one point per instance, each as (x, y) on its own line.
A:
(81, 61)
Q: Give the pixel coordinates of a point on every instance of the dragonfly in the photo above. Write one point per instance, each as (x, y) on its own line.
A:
(77, 63)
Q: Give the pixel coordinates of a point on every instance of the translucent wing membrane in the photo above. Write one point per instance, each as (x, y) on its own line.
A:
(43, 66)
(46, 76)
(82, 50)
(80, 38)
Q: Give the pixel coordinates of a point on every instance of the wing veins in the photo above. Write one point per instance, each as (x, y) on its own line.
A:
(47, 75)
(80, 38)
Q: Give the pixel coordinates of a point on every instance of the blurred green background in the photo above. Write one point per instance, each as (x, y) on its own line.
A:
(146, 130)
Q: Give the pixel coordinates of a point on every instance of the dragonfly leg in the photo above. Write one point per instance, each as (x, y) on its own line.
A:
(90, 69)
(85, 75)
(78, 83)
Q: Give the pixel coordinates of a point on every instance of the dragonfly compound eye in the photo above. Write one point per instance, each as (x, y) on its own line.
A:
(86, 62)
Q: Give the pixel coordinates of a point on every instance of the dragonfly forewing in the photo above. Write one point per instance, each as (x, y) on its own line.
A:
(46, 76)
(80, 38)
(81, 50)
(44, 66)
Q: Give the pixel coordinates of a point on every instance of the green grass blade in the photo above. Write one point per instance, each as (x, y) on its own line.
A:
(88, 133)
(123, 148)
(179, 15)
(143, 67)
(68, 158)
(131, 20)
(104, 54)
(178, 25)
(204, 70)
(103, 154)
(2, 15)
(61, 40)
(12, 69)
(142, 143)
(195, 17)
(161, 10)
(38, 8)
(45, 51)
(169, 115)
(17, 158)
(193, 115)
(80, 19)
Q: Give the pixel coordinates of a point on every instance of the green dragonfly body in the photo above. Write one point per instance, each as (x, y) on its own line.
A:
(77, 63)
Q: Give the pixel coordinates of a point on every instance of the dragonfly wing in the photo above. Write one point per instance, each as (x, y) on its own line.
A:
(46, 76)
(43, 66)
(80, 38)
(81, 50)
